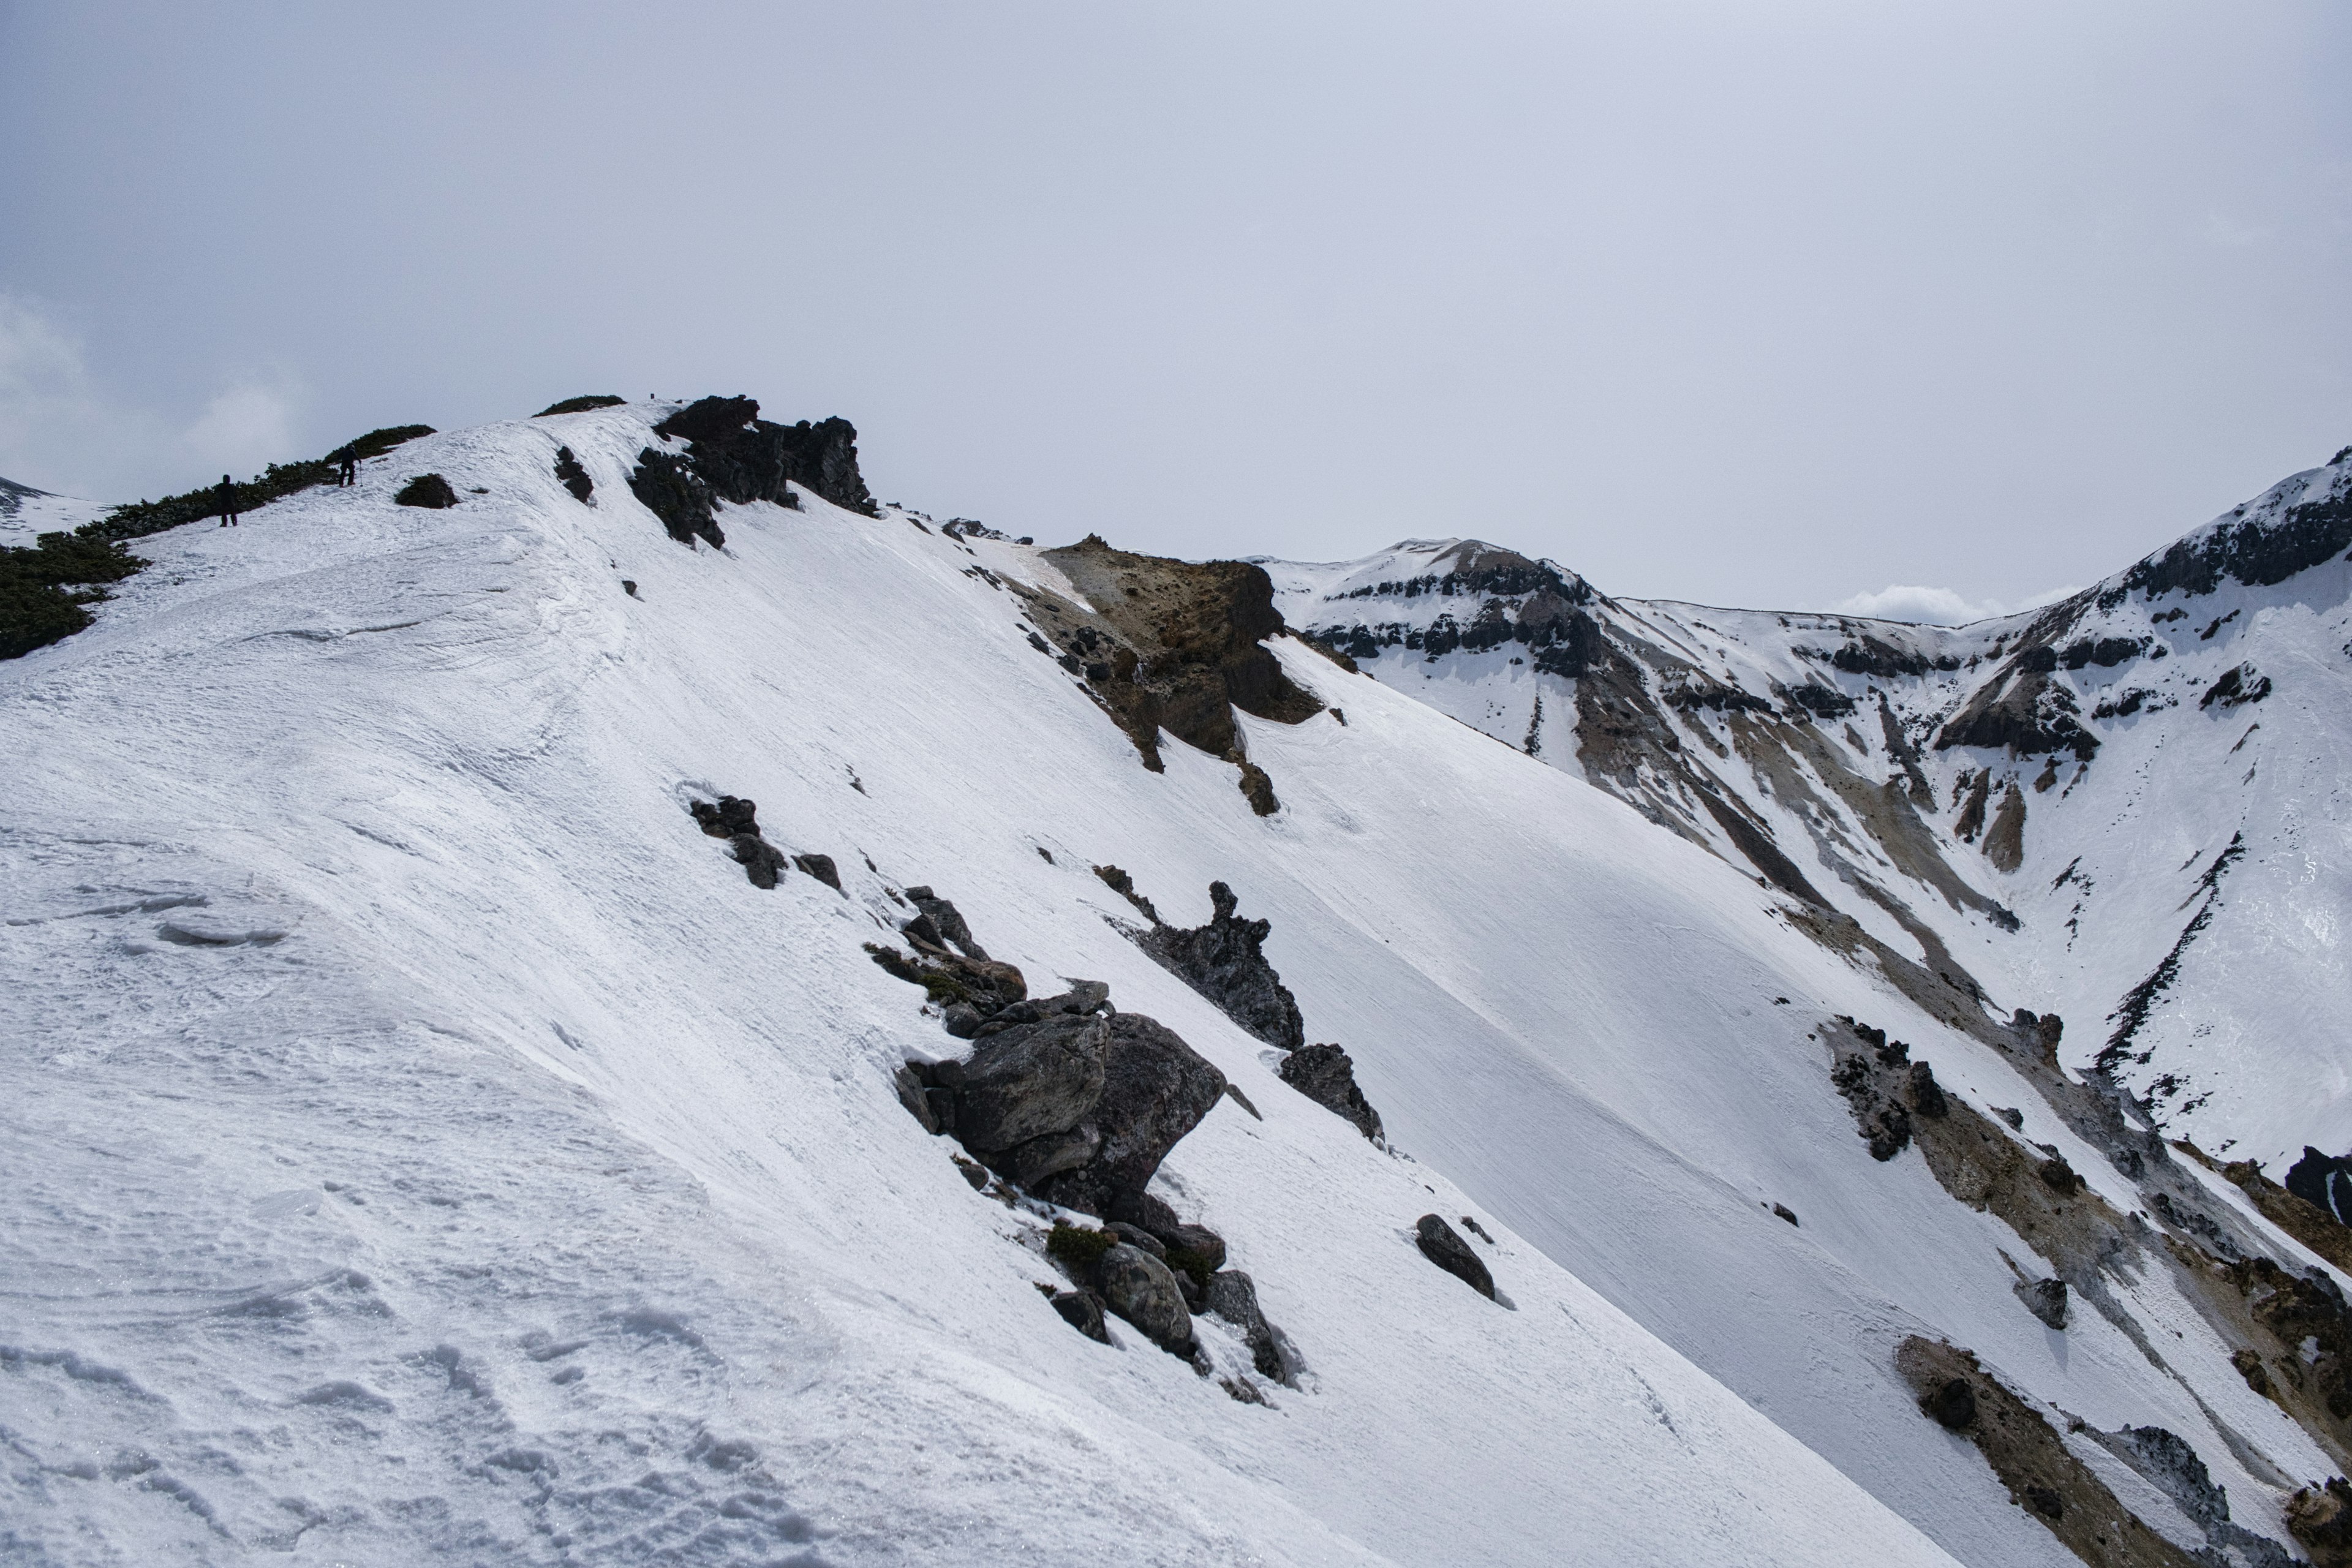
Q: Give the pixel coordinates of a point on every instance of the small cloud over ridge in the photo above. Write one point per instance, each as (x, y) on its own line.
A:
(1939, 607)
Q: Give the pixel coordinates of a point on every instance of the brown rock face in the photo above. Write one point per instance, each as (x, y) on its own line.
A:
(1172, 644)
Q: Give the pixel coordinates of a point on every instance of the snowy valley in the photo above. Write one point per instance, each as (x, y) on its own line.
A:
(512, 1053)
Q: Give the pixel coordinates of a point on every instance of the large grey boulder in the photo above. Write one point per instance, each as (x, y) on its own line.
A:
(1443, 1246)
(1156, 1088)
(1040, 1079)
(1140, 1287)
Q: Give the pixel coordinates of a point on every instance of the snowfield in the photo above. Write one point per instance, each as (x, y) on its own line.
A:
(423, 1145)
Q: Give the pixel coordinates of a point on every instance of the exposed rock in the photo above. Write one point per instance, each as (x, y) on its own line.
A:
(1443, 1246)
(1225, 961)
(822, 867)
(667, 486)
(726, 818)
(1233, 1296)
(2045, 1298)
(1156, 1088)
(1258, 790)
(1040, 1079)
(1139, 1289)
(572, 477)
(1784, 1212)
(1171, 644)
(1325, 1075)
(1083, 1311)
(1922, 1094)
(986, 986)
(2004, 843)
(2021, 709)
(2257, 552)
(2043, 1477)
(430, 490)
(961, 1018)
(2321, 1519)
(761, 861)
(1119, 882)
(742, 458)
(948, 924)
(2237, 685)
(911, 1092)
(1951, 1404)
(1136, 1235)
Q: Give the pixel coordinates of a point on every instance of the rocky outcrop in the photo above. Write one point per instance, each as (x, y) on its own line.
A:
(938, 923)
(1443, 1245)
(2021, 711)
(1226, 961)
(2043, 1477)
(737, 821)
(1140, 1288)
(1063, 1097)
(2324, 1182)
(733, 455)
(1233, 1296)
(1325, 1075)
(2045, 1298)
(1172, 646)
(2256, 552)
(2321, 1519)
(572, 477)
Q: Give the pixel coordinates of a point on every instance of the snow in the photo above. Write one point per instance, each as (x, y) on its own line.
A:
(423, 1144)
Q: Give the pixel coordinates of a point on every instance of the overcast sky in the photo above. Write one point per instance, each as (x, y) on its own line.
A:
(1757, 303)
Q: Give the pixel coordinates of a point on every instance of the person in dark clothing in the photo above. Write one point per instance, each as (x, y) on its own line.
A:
(227, 492)
(348, 473)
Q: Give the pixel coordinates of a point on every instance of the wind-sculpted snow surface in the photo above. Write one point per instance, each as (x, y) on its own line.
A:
(422, 1144)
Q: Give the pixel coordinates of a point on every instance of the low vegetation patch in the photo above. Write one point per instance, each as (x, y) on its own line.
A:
(580, 405)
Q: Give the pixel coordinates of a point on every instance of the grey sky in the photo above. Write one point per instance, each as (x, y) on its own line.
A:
(1759, 303)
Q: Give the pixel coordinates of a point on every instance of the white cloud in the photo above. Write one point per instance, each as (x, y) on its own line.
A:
(60, 431)
(1939, 607)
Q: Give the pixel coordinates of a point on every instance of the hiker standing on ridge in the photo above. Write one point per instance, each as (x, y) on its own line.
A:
(226, 493)
(349, 474)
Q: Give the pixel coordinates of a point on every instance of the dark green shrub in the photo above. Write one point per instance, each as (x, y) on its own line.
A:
(279, 480)
(427, 491)
(43, 588)
(1190, 1260)
(1078, 1248)
(572, 477)
(579, 405)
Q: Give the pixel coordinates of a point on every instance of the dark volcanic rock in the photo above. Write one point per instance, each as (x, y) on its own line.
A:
(761, 860)
(2045, 1298)
(1083, 1311)
(1325, 1075)
(822, 867)
(1233, 1296)
(1951, 1404)
(947, 921)
(1226, 961)
(730, 815)
(2255, 553)
(572, 477)
(1156, 1088)
(1443, 1246)
(1140, 1287)
(2324, 1182)
(742, 458)
(667, 487)
(1040, 1079)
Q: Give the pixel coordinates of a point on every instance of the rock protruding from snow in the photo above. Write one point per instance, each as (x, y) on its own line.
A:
(1156, 1088)
(1325, 1074)
(1140, 1288)
(1443, 1245)
(733, 455)
(1226, 961)
(947, 928)
(1233, 1296)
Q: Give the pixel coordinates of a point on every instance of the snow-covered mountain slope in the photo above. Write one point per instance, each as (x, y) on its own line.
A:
(2045, 803)
(423, 1142)
(25, 514)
